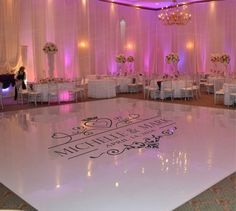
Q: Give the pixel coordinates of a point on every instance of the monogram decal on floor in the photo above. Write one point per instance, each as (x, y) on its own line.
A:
(152, 142)
(99, 136)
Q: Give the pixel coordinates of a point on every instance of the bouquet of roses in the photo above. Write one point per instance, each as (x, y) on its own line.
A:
(50, 48)
(215, 58)
(120, 58)
(225, 58)
(130, 59)
(172, 58)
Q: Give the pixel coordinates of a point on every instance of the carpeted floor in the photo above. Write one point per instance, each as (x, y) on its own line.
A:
(9, 200)
(219, 197)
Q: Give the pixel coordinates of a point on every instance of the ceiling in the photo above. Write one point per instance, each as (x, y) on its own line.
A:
(154, 4)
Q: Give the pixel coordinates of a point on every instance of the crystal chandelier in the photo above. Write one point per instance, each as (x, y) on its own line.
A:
(175, 15)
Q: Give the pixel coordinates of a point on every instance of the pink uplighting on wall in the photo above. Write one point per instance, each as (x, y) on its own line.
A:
(67, 59)
(89, 35)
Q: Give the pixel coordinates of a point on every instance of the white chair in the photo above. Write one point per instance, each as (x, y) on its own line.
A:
(232, 91)
(153, 90)
(1, 95)
(140, 83)
(188, 90)
(34, 95)
(78, 90)
(167, 89)
(197, 86)
(218, 89)
(209, 85)
(133, 87)
(22, 94)
(146, 84)
(53, 92)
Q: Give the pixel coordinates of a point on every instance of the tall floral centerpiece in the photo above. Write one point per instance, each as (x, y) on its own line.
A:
(173, 59)
(225, 60)
(120, 60)
(215, 59)
(130, 60)
(50, 49)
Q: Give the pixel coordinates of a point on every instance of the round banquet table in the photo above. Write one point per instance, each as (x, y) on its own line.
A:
(102, 88)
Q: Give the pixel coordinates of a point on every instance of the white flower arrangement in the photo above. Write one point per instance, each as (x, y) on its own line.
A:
(130, 59)
(225, 59)
(50, 48)
(120, 58)
(172, 58)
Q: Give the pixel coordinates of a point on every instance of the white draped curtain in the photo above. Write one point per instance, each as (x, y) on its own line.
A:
(9, 35)
(89, 36)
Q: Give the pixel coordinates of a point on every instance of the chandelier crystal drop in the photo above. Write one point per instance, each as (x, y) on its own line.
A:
(175, 15)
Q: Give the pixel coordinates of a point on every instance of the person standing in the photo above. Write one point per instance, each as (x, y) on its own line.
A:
(20, 80)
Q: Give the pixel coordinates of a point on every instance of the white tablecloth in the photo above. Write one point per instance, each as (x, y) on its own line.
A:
(123, 83)
(227, 87)
(63, 88)
(102, 88)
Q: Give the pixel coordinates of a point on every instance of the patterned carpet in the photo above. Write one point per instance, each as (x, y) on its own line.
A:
(9, 200)
(219, 197)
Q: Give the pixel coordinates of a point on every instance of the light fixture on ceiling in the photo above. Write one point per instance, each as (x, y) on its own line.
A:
(175, 14)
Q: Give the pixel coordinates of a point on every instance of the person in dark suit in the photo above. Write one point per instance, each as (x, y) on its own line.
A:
(20, 80)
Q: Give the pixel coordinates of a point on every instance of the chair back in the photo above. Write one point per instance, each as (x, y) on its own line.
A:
(188, 83)
(53, 87)
(197, 79)
(218, 84)
(153, 83)
(166, 84)
(232, 89)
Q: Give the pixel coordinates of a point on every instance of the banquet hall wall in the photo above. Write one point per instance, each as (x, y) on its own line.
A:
(90, 33)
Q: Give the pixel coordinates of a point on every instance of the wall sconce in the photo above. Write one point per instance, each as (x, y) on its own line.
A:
(83, 44)
(189, 45)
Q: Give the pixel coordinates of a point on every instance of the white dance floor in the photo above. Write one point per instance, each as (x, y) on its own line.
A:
(115, 155)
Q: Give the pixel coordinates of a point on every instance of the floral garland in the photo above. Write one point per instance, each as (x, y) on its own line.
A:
(130, 59)
(172, 58)
(120, 58)
(50, 48)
